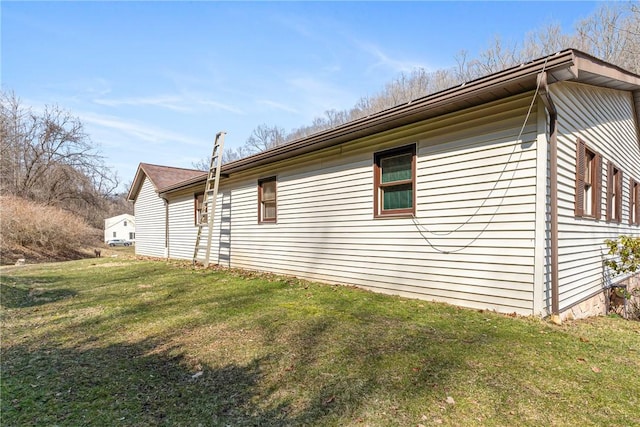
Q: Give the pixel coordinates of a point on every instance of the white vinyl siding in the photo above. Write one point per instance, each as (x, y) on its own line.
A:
(120, 227)
(604, 119)
(182, 228)
(183, 231)
(150, 222)
(474, 240)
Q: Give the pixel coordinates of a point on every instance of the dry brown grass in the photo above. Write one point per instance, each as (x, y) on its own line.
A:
(42, 233)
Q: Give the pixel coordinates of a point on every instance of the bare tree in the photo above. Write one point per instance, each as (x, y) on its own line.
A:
(202, 164)
(232, 154)
(611, 33)
(545, 41)
(48, 158)
(265, 137)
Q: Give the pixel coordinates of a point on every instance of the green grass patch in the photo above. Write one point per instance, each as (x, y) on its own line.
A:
(113, 341)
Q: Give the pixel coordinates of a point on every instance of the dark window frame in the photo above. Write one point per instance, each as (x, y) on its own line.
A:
(634, 202)
(262, 203)
(593, 182)
(379, 186)
(199, 214)
(614, 193)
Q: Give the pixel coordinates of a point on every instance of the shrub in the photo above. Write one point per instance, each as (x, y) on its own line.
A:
(40, 232)
(626, 251)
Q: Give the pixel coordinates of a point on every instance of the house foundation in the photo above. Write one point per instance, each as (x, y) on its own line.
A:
(623, 299)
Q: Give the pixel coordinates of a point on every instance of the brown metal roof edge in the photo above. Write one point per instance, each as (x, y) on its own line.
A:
(391, 116)
(183, 184)
(589, 63)
(562, 65)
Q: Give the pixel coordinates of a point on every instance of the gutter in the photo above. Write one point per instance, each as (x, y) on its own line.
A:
(553, 184)
(465, 95)
(166, 227)
(489, 88)
(567, 64)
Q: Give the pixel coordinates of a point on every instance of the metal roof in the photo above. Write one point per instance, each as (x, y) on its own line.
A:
(162, 177)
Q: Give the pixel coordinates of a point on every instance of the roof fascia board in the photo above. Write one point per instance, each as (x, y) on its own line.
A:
(589, 64)
(182, 185)
(564, 65)
(412, 111)
(636, 105)
(137, 184)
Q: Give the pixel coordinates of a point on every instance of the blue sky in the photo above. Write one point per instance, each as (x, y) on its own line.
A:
(154, 81)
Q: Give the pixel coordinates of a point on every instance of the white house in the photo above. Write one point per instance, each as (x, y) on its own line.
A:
(496, 194)
(120, 227)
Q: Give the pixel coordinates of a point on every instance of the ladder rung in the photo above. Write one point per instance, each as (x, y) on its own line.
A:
(214, 172)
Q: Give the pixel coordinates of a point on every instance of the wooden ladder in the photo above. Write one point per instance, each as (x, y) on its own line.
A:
(209, 200)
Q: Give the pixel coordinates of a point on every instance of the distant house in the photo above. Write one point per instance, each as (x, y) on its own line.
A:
(495, 194)
(120, 227)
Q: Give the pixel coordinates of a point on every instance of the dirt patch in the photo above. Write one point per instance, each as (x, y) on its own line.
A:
(109, 264)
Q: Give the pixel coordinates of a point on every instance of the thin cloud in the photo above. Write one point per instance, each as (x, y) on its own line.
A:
(332, 68)
(220, 106)
(167, 102)
(137, 130)
(89, 86)
(318, 96)
(277, 106)
(178, 103)
(296, 23)
(384, 60)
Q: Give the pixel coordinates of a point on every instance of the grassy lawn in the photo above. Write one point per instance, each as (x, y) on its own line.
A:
(115, 341)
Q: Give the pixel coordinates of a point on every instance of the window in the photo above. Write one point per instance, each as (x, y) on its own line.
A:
(125, 222)
(132, 236)
(267, 211)
(634, 203)
(114, 234)
(200, 211)
(394, 175)
(614, 193)
(588, 182)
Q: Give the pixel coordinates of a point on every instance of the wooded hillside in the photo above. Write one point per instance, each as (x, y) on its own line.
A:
(55, 188)
(611, 33)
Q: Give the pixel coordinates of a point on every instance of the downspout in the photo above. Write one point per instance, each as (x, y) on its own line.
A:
(166, 227)
(553, 184)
